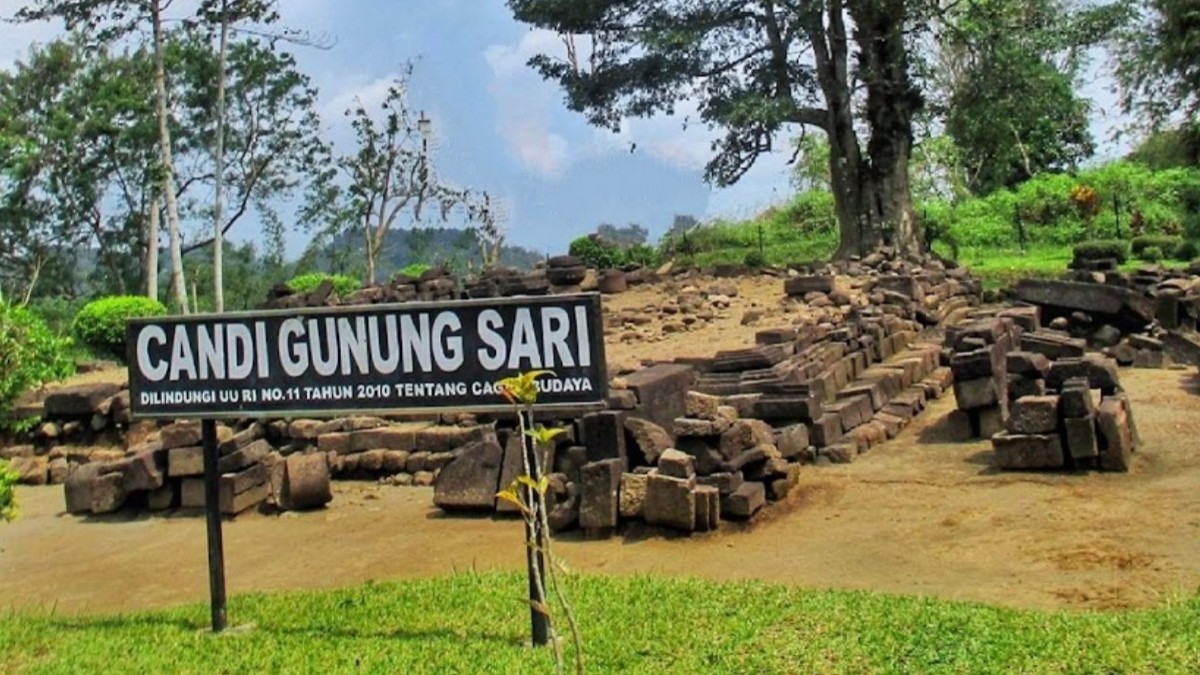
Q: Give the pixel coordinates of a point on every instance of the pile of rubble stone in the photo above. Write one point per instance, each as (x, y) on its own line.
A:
(1145, 319)
(1042, 401)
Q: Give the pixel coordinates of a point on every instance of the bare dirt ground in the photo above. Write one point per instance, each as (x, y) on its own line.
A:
(919, 515)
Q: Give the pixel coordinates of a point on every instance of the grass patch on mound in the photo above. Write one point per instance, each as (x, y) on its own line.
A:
(471, 623)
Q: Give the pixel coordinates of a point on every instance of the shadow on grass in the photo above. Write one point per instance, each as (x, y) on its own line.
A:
(327, 632)
(153, 623)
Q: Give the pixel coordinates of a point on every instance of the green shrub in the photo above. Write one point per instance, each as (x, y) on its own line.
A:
(414, 270)
(8, 495)
(1186, 251)
(30, 354)
(596, 254)
(1160, 241)
(100, 325)
(755, 260)
(307, 283)
(641, 254)
(1101, 249)
(1151, 254)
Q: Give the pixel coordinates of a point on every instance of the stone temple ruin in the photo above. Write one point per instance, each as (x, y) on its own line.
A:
(855, 352)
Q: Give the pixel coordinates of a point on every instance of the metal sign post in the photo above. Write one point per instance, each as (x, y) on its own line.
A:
(212, 513)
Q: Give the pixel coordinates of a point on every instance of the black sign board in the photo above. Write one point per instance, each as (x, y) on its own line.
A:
(378, 359)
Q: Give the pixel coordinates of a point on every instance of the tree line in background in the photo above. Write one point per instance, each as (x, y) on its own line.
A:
(136, 123)
(987, 92)
(137, 127)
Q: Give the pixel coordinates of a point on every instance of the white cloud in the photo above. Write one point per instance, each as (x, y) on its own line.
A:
(525, 103)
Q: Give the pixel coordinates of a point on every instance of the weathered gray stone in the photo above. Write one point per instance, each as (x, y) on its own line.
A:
(78, 488)
(975, 394)
(648, 438)
(661, 392)
(744, 434)
(30, 470)
(244, 458)
(701, 406)
(108, 493)
(472, 480)
(306, 483)
(670, 502)
(1033, 415)
(708, 508)
(187, 461)
(745, 501)
(603, 434)
(79, 401)
(792, 441)
(1081, 437)
(632, 497)
(180, 434)
(144, 471)
(1115, 435)
(676, 464)
(1027, 451)
(599, 494)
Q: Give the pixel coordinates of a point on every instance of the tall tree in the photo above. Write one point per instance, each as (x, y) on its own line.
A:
(389, 175)
(1003, 75)
(108, 20)
(1159, 62)
(84, 169)
(840, 66)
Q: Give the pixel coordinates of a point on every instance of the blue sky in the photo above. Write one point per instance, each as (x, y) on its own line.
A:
(500, 127)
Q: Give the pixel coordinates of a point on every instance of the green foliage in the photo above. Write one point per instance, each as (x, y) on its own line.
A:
(100, 325)
(414, 270)
(1164, 201)
(1157, 61)
(1164, 243)
(30, 354)
(1187, 251)
(1151, 254)
(641, 254)
(1102, 250)
(466, 623)
(1169, 148)
(8, 493)
(307, 283)
(597, 254)
(755, 260)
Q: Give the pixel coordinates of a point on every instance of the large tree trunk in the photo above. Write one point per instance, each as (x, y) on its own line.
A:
(219, 168)
(178, 284)
(891, 102)
(870, 190)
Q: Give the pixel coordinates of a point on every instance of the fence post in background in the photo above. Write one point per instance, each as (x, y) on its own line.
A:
(1117, 213)
(1020, 227)
(762, 249)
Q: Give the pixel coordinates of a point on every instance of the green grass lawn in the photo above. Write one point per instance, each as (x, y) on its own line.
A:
(476, 624)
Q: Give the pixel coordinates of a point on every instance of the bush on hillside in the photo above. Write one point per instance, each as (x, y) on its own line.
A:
(30, 354)
(415, 270)
(755, 260)
(1151, 254)
(307, 283)
(597, 254)
(641, 254)
(1160, 241)
(1101, 250)
(1187, 251)
(100, 325)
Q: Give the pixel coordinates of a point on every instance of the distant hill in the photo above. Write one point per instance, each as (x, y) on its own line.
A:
(454, 247)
